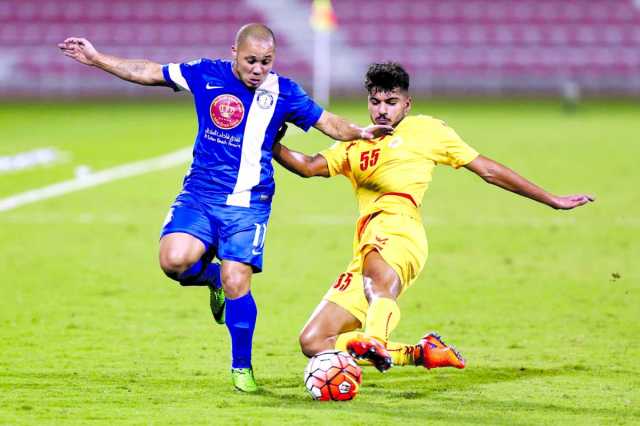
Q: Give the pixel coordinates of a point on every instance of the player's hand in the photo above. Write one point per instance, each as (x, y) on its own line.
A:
(79, 49)
(281, 132)
(569, 202)
(373, 131)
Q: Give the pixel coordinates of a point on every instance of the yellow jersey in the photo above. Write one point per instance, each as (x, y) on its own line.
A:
(392, 173)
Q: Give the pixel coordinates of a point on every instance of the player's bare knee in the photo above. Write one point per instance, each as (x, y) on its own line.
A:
(305, 344)
(310, 344)
(235, 283)
(174, 262)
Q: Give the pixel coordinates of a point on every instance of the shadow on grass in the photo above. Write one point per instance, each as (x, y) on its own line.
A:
(437, 381)
(432, 394)
(400, 395)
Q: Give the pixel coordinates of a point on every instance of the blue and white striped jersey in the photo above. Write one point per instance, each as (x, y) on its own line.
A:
(236, 129)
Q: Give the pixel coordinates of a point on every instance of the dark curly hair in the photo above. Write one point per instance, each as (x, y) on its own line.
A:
(385, 77)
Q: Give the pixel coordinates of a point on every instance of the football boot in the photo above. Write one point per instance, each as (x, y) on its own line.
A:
(370, 349)
(243, 379)
(432, 352)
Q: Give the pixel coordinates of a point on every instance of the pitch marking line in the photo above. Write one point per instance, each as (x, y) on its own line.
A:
(98, 178)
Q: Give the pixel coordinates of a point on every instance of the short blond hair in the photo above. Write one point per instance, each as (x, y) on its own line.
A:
(255, 31)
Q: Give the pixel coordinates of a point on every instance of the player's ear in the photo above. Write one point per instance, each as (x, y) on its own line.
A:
(234, 52)
(408, 105)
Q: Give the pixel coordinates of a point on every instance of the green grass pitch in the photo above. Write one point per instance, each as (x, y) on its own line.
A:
(545, 305)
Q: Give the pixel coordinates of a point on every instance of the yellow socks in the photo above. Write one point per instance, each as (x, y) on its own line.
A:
(383, 316)
(401, 353)
(341, 341)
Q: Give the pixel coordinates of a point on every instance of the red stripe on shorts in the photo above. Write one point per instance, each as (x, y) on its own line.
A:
(400, 194)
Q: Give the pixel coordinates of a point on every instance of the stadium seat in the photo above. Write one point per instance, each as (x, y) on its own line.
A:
(529, 43)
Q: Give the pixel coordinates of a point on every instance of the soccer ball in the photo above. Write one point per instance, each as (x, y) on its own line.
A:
(332, 376)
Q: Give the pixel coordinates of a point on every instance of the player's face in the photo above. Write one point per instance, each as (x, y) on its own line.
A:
(252, 61)
(389, 107)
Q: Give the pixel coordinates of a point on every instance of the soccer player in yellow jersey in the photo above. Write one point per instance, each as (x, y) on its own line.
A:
(390, 176)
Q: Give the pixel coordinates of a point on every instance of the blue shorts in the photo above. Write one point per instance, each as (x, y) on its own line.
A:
(229, 232)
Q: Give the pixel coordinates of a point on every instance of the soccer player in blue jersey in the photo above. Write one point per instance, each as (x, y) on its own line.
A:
(224, 206)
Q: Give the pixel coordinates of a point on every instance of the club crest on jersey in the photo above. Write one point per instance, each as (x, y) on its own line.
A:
(226, 111)
(264, 99)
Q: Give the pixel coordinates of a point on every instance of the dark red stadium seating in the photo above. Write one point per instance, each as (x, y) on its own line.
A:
(486, 45)
(526, 44)
(159, 30)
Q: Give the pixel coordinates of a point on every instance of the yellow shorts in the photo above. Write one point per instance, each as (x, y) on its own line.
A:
(402, 243)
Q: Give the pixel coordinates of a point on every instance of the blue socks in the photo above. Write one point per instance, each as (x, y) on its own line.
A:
(240, 317)
(201, 274)
(240, 313)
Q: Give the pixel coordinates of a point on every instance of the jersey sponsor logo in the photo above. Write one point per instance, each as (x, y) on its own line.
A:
(226, 111)
(264, 99)
(211, 86)
(223, 138)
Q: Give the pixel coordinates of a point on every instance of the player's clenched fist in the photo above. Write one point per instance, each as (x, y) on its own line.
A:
(79, 49)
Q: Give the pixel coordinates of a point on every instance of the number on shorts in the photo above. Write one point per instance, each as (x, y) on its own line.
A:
(343, 281)
(258, 239)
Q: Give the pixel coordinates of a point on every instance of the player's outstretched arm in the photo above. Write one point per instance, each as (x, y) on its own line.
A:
(138, 71)
(299, 163)
(340, 129)
(499, 175)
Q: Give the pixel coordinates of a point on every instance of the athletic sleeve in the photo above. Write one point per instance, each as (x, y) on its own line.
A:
(336, 157)
(303, 111)
(184, 76)
(448, 147)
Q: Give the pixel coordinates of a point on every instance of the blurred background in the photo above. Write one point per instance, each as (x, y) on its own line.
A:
(91, 331)
(454, 47)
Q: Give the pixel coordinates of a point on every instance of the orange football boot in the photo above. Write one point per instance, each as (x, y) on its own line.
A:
(432, 352)
(370, 349)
